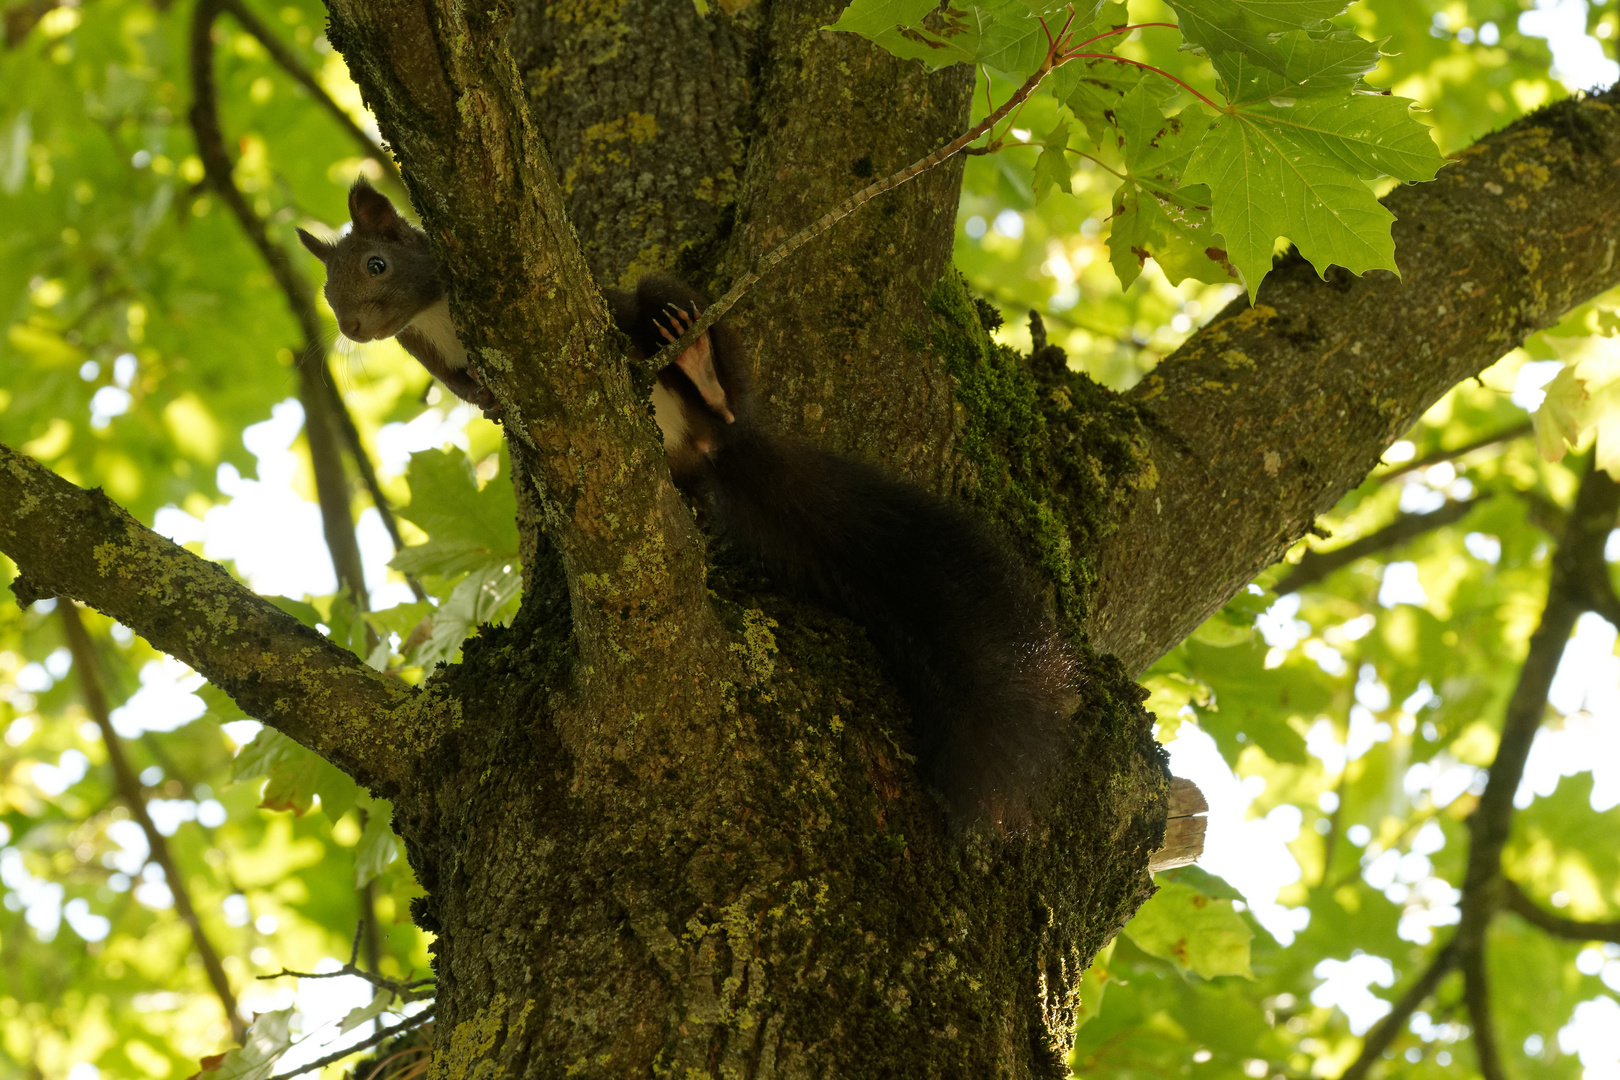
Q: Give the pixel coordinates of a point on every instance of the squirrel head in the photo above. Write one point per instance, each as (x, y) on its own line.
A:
(380, 274)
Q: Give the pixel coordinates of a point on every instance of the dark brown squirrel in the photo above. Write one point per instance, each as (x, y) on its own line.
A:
(382, 282)
(958, 622)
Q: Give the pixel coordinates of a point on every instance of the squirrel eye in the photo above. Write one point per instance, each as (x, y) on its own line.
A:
(376, 265)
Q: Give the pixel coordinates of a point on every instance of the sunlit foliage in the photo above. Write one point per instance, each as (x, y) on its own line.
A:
(147, 350)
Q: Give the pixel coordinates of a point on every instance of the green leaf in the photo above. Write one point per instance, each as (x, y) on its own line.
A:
(1093, 984)
(295, 776)
(1052, 167)
(1558, 418)
(869, 18)
(468, 527)
(479, 598)
(377, 846)
(1298, 170)
(362, 1014)
(1196, 877)
(1253, 704)
(1092, 89)
(1247, 26)
(268, 1037)
(1156, 149)
(1005, 35)
(1195, 932)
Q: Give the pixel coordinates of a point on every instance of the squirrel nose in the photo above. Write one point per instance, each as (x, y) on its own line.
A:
(350, 328)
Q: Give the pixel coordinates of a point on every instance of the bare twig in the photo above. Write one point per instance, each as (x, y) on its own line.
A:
(365, 1044)
(368, 476)
(718, 309)
(1317, 565)
(129, 789)
(1590, 521)
(1384, 1032)
(320, 428)
(1509, 435)
(326, 419)
(1485, 891)
(1557, 925)
(416, 990)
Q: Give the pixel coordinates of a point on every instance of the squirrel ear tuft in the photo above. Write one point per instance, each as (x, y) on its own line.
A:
(371, 210)
(317, 247)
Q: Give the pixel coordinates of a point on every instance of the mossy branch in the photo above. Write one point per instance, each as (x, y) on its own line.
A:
(70, 542)
(442, 83)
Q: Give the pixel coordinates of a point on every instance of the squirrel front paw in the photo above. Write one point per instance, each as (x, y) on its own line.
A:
(479, 394)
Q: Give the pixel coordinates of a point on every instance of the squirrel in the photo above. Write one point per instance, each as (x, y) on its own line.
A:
(954, 616)
(382, 282)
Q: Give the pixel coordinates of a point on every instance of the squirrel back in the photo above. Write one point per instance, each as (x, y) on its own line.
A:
(957, 619)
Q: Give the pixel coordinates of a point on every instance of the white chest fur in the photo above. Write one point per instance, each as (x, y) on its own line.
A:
(434, 324)
(671, 419)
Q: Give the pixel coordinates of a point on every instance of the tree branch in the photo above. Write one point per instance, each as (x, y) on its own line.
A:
(1485, 891)
(365, 1044)
(1533, 913)
(419, 990)
(439, 77)
(1591, 518)
(129, 789)
(1317, 565)
(1511, 434)
(1384, 1033)
(314, 379)
(1265, 418)
(1482, 1020)
(75, 543)
(289, 62)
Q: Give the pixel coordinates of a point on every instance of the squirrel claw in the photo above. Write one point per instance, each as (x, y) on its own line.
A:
(680, 320)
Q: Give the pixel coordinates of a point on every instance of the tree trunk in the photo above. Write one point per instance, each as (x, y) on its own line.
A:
(718, 860)
(668, 822)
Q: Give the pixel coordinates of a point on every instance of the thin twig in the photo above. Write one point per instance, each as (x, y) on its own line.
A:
(417, 990)
(326, 418)
(1485, 891)
(1317, 565)
(718, 309)
(1481, 1018)
(368, 476)
(1557, 925)
(1518, 431)
(129, 789)
(290, 63)
(1384, 1032)
(364, 1044)
(320, 428)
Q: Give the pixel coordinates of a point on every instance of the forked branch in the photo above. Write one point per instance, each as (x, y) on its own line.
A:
(1060, 50)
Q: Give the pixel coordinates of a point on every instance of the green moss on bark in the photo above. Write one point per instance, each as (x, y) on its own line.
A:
(1053, 458)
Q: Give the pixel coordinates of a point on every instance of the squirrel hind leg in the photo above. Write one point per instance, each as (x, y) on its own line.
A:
(697, 361)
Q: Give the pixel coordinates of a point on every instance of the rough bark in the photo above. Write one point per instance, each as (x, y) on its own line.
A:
(1269, 415)
(675, 835)
(70, 542)
(665, 830)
